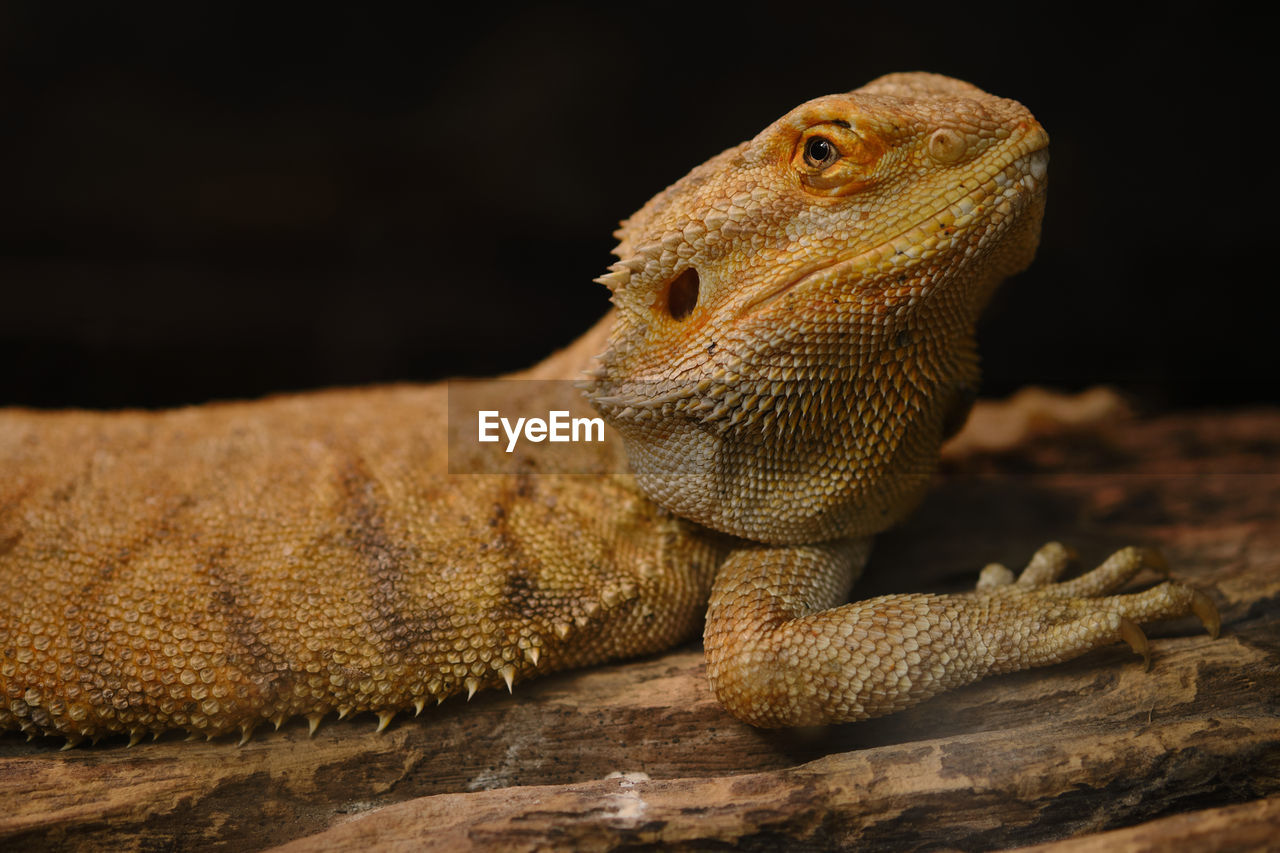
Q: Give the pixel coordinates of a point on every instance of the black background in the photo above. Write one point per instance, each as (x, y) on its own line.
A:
(203, 201)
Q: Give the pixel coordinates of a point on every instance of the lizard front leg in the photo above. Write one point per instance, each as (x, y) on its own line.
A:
(781, 653)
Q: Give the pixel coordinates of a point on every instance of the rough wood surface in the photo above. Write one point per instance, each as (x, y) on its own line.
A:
(1249, 826)
(1037, 757)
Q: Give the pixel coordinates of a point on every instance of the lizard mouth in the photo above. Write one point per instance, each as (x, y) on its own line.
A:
(1009, 191)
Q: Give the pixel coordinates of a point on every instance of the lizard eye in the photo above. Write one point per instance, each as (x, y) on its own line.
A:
(820, 152)
(833, 158)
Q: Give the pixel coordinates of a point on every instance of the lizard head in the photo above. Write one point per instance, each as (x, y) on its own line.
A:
(794, 319)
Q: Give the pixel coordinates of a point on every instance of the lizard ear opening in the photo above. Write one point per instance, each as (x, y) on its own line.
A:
(682, 294)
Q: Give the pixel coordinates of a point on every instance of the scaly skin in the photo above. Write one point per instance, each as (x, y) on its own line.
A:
(792, 341)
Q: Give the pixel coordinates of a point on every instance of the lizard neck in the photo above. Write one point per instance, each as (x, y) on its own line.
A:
(809, 449)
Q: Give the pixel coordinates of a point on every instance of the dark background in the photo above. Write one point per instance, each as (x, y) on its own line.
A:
(204, 200)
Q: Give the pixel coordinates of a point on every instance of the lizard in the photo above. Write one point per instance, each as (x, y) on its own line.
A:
(791, 340)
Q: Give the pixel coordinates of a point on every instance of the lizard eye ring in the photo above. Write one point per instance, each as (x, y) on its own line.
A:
(832, 158)
(820, 152)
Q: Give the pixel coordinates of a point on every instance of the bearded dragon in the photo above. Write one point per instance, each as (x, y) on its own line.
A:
(792, 339)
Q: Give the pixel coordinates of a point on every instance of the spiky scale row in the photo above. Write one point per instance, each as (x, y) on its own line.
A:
(508, 674)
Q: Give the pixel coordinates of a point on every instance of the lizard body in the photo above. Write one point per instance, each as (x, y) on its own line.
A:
(792, 340)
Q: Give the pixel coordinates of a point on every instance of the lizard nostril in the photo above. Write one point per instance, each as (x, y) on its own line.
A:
(682, 294)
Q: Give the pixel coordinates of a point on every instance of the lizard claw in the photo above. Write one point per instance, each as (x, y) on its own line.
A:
(1137, 640)
(1207, 612)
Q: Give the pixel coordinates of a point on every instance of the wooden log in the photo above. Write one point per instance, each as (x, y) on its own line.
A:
(1249, 826)
(1093, 745)
(981, 791)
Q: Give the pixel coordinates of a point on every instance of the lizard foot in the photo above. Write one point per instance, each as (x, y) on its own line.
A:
(1083, 613)
(779, 653)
